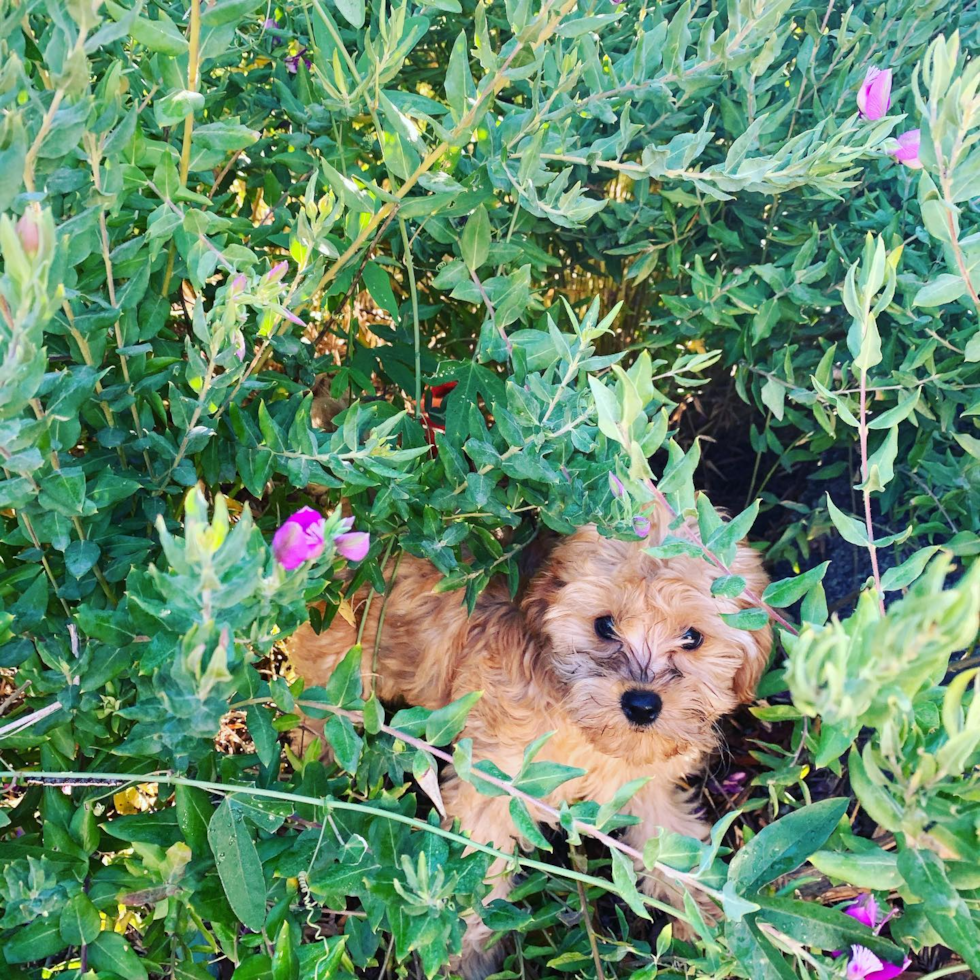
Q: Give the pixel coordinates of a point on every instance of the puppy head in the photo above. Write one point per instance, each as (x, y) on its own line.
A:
(643, 662)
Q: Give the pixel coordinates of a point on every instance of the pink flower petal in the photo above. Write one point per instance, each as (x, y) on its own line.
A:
(889, 971)
(291, 317)
(616, 486)
(353, 546)
(862, 963)
(641, 526)
(277, 272)
(300, 539)
(864, 909)
(907, 151)
(875, 95)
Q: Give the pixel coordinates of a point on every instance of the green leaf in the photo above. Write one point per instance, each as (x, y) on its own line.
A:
(238, 865)
(756, 955)
(621, 797)
(285, 961)
(785, 844)
(459, 82)
(445, 723)
(474, 244)
(624, 878)
(728, 586)
(874, 869)
(789, 590)
(945, 288)
(155, 35)
(969, 443)
(353, 11)
(64, 492)
(194, 812)
(263, 733)
(80, 921)
(228, 12)
(879, 803)
(527, 825)
(541, 778)
(881, 463)
(905, 574)
(81, 556)
(851, 529)
(112, 953)
(897, 413)
(344, 741)
(36, 941)
(944, 907)
(344, 686)
(747, 619)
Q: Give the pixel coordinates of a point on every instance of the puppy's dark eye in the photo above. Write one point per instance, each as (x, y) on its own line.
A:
(605, 628)
(691, 639)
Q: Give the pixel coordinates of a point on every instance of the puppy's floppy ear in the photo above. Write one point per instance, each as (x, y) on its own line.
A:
(757, 644)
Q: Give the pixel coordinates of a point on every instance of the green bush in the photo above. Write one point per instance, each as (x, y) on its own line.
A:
(208, 212)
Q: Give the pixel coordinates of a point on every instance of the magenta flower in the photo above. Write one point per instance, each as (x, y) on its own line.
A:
(616, 486)
(239, 339)
(907, 151)
(874, 98)
(865, 910)
(300, 538)
(353, 546)
(237, 285)
(641, 526)
(864, 965)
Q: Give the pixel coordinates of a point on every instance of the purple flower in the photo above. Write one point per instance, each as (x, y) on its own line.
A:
(299, 539)
(641, 526)
(237, 284)
(353, 545)
(907, 151)
(239, 339)
(874, 98)
(277, 272)
(865, 910)
(616, 486)
(292, 62)
(864, 965)
(271, 25)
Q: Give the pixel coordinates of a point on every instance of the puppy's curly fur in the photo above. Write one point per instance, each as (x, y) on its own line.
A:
(600, 619)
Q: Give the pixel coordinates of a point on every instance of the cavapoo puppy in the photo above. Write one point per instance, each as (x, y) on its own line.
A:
(623, 656)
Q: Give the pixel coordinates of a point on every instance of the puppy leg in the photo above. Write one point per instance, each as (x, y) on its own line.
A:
(665, 808)
(487, 821)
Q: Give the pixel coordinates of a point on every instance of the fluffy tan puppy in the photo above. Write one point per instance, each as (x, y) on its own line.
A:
(625, 657)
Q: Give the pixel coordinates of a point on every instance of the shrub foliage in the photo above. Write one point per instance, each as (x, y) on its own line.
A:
(585, 215)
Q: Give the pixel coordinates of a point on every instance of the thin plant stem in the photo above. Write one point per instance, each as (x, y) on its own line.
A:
(866, 490)
(45, 778)
(193, 80)
(416, 337)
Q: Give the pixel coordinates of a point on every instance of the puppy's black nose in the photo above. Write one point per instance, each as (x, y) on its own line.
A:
(641, 707)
